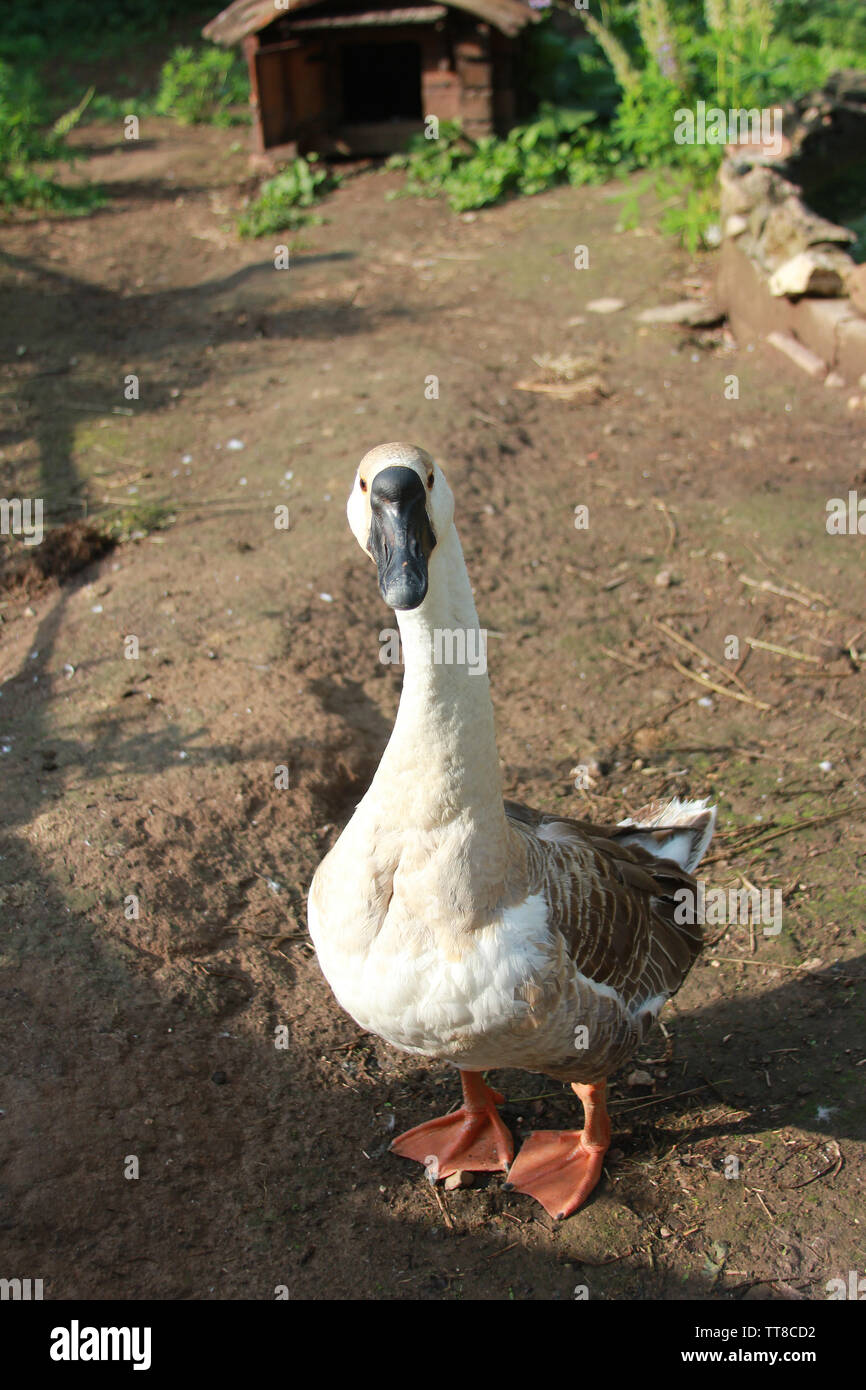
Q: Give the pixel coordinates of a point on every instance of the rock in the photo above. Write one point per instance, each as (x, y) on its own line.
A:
(810, 272)
(458, 1180)
(791, 227)
(807, 361)
(834, 381)
(735, 225)
(605, 306)
(857, 287)
(696, 313)
(639, 1078)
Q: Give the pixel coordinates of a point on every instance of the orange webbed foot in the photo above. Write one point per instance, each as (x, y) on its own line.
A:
(473, 1138)
(557, 1169)
(560, 1168)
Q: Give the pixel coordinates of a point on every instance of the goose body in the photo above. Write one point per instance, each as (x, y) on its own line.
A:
(459, 926)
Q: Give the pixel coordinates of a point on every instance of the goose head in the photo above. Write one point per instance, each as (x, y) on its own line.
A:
(399, 506)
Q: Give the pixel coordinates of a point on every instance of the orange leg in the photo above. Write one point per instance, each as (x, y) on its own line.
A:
(473, 1138)
(561, 1168)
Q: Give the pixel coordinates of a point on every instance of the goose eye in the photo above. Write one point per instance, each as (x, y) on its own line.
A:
(429, 479)
(362, 482)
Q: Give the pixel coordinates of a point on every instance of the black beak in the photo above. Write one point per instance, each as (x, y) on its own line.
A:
(401, 537)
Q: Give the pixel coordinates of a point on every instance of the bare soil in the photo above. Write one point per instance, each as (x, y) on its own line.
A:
(154, 781)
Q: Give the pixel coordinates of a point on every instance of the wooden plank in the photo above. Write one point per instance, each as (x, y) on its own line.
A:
(250, 16)
(427, 14)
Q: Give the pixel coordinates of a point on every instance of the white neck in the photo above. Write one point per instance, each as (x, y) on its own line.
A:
(441, 762)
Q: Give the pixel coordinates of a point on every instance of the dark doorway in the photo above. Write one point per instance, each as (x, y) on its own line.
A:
(381, 82)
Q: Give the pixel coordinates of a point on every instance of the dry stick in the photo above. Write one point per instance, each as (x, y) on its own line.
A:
(775, 589)
(692, 647)
(849, 719)
(626, 660)
(764, 964)
(659, 718)
(832, 1168)
(669, 518)
(761, 840)
(656, 1100)
(782, 651)
(819, 598)
(762, 620)
(445, 1213)
(720, 689)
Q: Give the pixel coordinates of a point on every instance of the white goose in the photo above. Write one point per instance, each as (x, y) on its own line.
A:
(459, 926)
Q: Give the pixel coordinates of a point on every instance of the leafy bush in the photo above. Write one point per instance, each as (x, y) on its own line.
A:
(284, 201)
(646, 61)
(558, 147)
(733, 54)
(203, 87)
(27, 146)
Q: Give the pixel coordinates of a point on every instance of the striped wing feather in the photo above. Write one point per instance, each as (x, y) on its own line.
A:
(612, 903)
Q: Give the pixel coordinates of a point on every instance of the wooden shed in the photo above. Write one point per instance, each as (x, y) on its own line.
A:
(359, 77)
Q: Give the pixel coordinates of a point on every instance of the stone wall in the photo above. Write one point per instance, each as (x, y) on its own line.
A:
(786, 272)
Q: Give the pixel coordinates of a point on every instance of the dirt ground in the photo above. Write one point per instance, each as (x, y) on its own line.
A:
(153, 778)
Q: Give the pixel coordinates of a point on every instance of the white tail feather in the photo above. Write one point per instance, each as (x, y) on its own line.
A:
(694, 820)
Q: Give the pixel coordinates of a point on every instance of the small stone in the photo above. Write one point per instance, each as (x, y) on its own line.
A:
(665, 1232)
(639, 1078)
(809, 272)
(664, 579)
(696, 313)
(834, 381)
(605, 306)
(809, 362)
(459, 1179)
(735, 225)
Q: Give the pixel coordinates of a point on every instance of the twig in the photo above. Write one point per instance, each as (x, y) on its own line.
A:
(656, 1100)
(669, 518)
(776, 589)
(764, 964)
(445, 1214)
(832, 1169)
(762, 619)
(692, 647)
(720, 689)
(782, 651)
(849, 719)
(626, 660)
(755, 1193)
(760, 840)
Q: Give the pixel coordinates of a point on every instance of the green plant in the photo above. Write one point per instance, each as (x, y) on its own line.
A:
(560, 146)
(284, 201)
(28, 149)
(667, 55)
(203, 86)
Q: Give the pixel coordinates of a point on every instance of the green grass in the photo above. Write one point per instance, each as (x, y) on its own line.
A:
(285, 202)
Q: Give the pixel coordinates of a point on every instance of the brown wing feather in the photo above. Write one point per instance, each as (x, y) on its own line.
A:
(613, 904)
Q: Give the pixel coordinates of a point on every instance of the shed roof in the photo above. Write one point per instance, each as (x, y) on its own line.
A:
(249, 16)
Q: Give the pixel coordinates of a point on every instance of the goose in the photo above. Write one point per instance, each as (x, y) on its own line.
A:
(460, 926)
